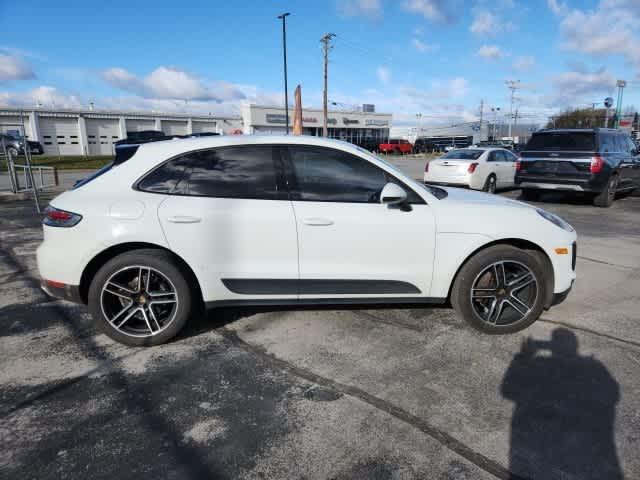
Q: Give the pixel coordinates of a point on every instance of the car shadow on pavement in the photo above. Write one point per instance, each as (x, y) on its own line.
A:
(564, 415)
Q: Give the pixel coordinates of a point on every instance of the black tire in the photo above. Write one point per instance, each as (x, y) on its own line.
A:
(490, 184)
(162, 264)
(605, 198)
(472, 272)
(530, 195)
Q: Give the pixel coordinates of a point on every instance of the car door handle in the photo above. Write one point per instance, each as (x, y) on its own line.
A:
(317, 222)
(183, 219)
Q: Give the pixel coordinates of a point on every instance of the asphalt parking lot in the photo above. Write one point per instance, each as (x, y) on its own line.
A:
(331, 393)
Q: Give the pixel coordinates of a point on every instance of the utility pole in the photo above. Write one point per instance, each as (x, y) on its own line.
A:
(621, 84)
(481, 111)
(283, 17)
(326, 46)
(512, 85)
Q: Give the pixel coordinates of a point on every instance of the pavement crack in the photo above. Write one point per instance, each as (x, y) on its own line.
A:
(591, 331)
(484, 463)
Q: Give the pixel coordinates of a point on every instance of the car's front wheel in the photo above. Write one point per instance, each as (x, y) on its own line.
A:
(501, 289)
(141, 298)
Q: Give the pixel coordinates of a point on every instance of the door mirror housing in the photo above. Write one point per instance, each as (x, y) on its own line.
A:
(393, 194)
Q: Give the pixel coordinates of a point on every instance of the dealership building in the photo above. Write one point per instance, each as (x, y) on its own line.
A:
(93, 132)
(351, 126)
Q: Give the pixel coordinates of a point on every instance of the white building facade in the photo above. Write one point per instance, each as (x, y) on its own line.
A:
(94, 132)
(351, 126)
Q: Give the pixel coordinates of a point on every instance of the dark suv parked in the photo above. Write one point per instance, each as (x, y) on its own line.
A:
(15, 145)
(599, 161)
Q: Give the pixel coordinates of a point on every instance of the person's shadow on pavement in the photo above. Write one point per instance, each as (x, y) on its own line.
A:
(565, 405)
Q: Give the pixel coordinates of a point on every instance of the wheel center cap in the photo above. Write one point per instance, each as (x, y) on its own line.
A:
(142, 299)
(501, 291)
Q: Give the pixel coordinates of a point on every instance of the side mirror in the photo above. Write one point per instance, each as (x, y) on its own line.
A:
(392, 194)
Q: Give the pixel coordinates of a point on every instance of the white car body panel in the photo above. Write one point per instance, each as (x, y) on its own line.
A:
(455, 171)
(264, 238)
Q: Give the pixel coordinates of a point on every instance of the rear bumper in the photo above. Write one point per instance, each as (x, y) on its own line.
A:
(590, 184)
(66, 292)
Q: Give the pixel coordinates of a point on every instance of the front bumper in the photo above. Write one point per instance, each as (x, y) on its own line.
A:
(560, 297)
(65, 292)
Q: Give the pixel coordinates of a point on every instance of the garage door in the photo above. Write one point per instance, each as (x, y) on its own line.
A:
(60, 136)
(101, 133)
(12, 125)
(174, 127)
(200, 127)
(136, 125)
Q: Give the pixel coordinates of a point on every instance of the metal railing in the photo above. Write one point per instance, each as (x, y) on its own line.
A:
(21, 180)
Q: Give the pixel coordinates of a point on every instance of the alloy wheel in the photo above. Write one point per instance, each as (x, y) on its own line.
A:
(139, 301)
(504, 293)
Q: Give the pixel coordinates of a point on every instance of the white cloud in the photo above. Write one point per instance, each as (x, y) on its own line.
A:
(43, 95)
(371, 9)
(610, 28)
(486, 23)
(490, 52)
(384, 74)
(435, 10)
(571, 88)
(423, 47)
(524, 63)
(171, 84)
(14, 67)
(557, 7)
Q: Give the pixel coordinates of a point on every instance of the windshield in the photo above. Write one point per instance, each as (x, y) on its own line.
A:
(463, 154)
(570, 141)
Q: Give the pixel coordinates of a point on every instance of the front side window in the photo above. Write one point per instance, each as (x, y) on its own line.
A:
(229, 172)
(327, 175)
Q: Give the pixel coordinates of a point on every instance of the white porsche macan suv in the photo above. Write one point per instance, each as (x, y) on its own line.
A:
(249, 220)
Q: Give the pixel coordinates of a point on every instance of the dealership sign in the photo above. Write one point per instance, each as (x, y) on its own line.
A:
(276, 118)
(376, 123)
(348, 121)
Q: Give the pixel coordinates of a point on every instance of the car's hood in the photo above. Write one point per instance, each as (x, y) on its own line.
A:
(462, 195)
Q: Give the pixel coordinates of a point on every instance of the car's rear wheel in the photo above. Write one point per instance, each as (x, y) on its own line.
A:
(500, 289)
(141, 298)
(606, 197)
(490, 184)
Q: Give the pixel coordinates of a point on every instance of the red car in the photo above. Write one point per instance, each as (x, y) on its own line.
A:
(396, 145)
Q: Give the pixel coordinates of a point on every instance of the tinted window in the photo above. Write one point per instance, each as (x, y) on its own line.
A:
(232, 172)
(620, 143)
(327, 175)
(165, 178)
(508, 156)
(576, 141)
(463, 154)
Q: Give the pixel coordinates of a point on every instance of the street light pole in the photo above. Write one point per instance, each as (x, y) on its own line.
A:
(283, 17)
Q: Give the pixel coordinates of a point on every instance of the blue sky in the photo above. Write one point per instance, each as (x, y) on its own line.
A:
(435, 57)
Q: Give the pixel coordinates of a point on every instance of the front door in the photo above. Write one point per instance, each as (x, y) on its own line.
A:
(350, 245)
(228, 215)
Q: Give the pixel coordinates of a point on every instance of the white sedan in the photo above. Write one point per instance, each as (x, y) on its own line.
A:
(478, 168)
(151, 239)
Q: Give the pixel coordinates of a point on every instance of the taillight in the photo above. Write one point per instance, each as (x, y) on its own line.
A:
(426, 167)
(518, 165)
(472, 167)
(55, 217)
(597, 164)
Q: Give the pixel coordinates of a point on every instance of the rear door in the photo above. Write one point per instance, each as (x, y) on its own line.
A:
(629, 166)
(351, 245)
(227, 213)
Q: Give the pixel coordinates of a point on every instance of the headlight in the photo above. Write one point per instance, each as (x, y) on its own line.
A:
(557, 221)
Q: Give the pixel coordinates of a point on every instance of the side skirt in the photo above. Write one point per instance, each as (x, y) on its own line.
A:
(257, 302)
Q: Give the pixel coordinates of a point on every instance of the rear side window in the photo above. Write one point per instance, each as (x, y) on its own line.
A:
(607, 144)
(230, 172)
(567, 141)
